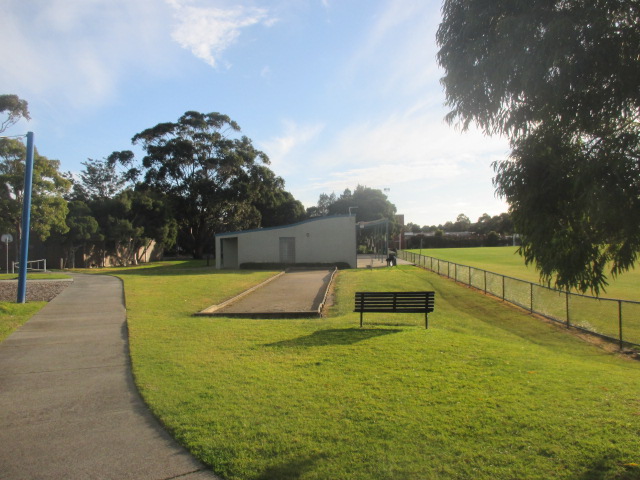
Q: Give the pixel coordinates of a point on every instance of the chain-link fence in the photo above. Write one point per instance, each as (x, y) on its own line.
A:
(617, 320)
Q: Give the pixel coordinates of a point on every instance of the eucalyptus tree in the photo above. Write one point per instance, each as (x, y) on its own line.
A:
(275, 205)
(204, 165)
(48, 207)
(366, 204)
(83, 230)
(99, 179)
(14, 108)
(560, 80)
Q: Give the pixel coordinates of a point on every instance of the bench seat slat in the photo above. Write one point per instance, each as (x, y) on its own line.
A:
(395, 302)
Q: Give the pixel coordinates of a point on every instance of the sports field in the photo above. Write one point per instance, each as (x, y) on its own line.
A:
(488, 392)
(506, 261)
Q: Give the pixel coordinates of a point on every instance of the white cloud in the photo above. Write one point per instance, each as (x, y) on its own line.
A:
(280, 149)
(75, 53)
(397, 53)
(265, 72)
(416, 137)
(208, 31)
(433, 171)
(415, 154)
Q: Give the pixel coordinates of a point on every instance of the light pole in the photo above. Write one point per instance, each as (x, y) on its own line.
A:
(26, 221)
(7, 238)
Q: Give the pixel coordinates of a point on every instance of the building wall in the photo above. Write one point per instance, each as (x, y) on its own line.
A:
(318, 240)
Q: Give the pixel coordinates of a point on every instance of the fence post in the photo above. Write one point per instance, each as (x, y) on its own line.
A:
(531, 301)
(620, 321)
(567, 303)
(485, 282)
(469, 276)
(503, 288)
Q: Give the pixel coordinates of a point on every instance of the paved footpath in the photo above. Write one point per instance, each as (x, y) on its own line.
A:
(297, 293)
(68, 406)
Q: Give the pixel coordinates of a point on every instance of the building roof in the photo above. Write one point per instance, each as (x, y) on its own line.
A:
(309, 220)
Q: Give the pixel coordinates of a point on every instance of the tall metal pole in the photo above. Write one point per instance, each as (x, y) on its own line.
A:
(26, 221)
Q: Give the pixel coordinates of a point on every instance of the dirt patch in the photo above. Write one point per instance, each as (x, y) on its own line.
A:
(44, 291)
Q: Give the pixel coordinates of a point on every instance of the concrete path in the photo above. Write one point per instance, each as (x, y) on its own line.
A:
(68, 406)
(297, 293)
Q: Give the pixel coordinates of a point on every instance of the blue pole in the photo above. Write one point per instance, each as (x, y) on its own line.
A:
(26, 221)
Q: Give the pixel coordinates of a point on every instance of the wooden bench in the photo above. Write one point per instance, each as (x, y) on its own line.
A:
(396, 302)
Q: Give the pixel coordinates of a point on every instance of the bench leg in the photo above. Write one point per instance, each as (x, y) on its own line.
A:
(426, 320)
(361, 319)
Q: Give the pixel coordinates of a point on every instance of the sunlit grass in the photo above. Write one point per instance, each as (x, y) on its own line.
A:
(487, 392)
(35, 276)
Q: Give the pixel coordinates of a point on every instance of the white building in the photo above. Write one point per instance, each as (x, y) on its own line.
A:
(320, 240)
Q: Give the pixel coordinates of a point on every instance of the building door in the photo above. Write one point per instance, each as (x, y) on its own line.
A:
(229, 253)
(287, 250)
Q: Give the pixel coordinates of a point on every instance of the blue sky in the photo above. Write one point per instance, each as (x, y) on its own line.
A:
(337, 93)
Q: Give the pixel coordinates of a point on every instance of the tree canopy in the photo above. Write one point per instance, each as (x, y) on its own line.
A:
(366, 204)
(14, 108)
(559, 78)
(48, 207)
(214, 176)
(99, 179)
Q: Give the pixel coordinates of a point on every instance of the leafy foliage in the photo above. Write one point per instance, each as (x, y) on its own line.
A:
(99, 179)
(48, 207)
(560, 79)
(15, 108)
(366, 204)
(212, 175)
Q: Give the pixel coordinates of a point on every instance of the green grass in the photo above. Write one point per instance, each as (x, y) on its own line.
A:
(13, 315)
(35, 276)
(506, 261)
(486, 393)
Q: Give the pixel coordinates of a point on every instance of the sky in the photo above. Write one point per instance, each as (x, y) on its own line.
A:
(338, 93)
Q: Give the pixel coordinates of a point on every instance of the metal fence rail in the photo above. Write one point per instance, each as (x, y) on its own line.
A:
(609, 318)
(32, 266)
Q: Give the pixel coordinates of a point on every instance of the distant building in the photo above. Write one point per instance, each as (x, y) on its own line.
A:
(319, 240)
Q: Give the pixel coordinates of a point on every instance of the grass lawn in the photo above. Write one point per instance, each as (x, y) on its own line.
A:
(486, 393)
(35, 276)
(506, 261)
(13, 315)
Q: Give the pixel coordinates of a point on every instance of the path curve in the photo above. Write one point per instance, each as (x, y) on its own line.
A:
(68, 404)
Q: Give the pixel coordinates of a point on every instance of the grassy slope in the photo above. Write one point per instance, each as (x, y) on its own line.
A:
(486, 393)
(13, 315)
(506, 261)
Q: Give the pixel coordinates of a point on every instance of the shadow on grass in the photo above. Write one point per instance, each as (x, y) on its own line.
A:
(338, 336)
(609, 466)
(291, 470)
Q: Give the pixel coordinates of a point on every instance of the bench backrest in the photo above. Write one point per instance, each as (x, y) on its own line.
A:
(410, 302)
